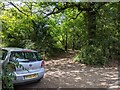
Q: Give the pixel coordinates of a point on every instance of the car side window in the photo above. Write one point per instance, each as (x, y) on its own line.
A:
(3, 54)
(11, 56)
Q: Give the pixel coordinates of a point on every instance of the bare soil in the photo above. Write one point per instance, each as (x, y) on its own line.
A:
(63, 72)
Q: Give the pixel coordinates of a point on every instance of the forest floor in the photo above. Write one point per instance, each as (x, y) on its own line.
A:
(63, 72)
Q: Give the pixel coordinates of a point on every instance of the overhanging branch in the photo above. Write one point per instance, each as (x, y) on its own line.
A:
(17, 8)
(57, 9)
(76, 15)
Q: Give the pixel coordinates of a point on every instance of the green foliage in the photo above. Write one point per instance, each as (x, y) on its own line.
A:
(58, 32)
(95, 32)
(8, 76)
(14, 28)
(93, 55)
(106, 42)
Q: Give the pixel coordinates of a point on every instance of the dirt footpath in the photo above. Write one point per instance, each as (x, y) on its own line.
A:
(63, 72)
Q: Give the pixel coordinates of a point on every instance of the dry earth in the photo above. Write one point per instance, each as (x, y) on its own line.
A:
(63, 72)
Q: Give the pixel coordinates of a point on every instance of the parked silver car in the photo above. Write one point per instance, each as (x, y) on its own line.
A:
(29, 59)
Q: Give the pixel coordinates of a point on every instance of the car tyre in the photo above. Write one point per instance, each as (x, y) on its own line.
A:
(40, 79)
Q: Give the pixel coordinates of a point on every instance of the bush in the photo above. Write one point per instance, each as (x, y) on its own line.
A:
(93, 55)
(7, 77)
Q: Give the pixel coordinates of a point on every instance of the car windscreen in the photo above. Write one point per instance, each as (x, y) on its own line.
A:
(24, 56)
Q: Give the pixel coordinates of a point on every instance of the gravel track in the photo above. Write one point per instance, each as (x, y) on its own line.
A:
(63, 72)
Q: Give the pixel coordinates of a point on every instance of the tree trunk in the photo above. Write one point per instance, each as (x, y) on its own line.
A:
(73, 45)
(91, 17)
(66, 44)
(73, 39)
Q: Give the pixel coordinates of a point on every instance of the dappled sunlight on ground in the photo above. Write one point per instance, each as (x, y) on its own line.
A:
(79, 75)
(66, 73)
